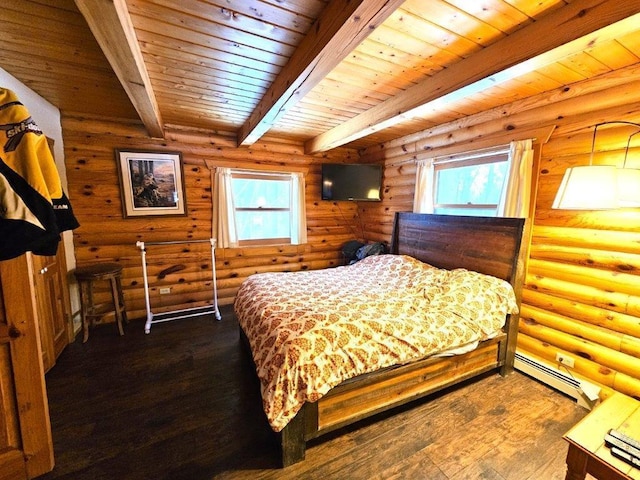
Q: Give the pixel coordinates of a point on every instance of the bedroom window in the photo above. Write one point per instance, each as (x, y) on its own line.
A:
(470, 185)
(262, 205)
(493, 182)
(258, 208)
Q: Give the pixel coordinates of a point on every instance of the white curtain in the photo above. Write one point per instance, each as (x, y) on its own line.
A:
(298, 210)
(423, 197)
(224, 225)
(515, 198)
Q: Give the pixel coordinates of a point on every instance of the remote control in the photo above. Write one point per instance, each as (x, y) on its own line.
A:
(616, 452)
(625, 438)
(622, 445)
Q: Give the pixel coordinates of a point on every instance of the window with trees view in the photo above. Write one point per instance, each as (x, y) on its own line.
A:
(262, 205)
(470, 185)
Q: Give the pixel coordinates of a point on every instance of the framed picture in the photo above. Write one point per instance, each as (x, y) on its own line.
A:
(151, 183)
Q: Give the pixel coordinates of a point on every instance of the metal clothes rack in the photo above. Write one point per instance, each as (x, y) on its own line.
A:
(183, 313)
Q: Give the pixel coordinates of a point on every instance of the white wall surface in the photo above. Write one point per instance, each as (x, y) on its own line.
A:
(46, 116)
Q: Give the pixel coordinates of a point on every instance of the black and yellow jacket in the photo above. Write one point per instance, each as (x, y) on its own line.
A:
(33, 208)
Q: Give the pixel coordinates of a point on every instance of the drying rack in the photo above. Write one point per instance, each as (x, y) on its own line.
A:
(186, 312)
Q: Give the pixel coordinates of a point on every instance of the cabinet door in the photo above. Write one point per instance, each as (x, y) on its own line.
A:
(50, 282)
(12, 463)
(26, 446)
(44, 279)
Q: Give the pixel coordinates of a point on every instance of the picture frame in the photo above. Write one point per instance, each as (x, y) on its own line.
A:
(151, 183)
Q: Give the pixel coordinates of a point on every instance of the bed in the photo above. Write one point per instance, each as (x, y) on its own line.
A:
(393, 356)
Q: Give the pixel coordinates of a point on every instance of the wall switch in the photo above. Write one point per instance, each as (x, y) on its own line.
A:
(165, 290)
(565, 360)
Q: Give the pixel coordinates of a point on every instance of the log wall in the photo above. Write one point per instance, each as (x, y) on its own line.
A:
(582, 292)
(104, 235)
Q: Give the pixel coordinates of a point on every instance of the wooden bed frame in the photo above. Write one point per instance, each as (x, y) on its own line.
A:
(483, 244)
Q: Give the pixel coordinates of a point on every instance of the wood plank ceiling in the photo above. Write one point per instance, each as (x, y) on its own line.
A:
(326, 72)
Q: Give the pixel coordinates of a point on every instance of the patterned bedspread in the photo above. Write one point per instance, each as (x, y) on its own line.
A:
(311, 330)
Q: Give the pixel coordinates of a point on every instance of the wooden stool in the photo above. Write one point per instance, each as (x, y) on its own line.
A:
(89, 274)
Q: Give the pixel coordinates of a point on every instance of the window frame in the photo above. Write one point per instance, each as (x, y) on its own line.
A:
(259, 175)
(474, 158)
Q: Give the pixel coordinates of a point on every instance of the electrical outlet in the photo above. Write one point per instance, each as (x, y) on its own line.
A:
(165, 290)
(565, 360)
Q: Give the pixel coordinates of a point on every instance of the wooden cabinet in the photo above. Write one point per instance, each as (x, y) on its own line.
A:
(54, 311)
(35, 327)
(26, 446)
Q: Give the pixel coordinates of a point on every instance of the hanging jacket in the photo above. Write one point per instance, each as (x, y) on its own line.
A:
(33, 207)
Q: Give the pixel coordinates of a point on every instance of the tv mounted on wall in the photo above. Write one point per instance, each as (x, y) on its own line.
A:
(351, 181)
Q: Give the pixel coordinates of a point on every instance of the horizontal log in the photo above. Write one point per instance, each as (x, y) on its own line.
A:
(200, 137)
(604, 356)
(401, 182)
(607, 240)
(579, 329)
(397, 157)
(606, 260)
(577, 138)
(377, 237)
(262, 251)
(389, 191)
(237, 262)
(556, 166)
(94, 125)
(150, 234)
(602, 317)
(585, 275)
(612, 220)
(196, 216)
(379, 228)
(401, 169)
(617, 302)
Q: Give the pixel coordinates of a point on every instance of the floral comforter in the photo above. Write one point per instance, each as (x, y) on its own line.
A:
(311, 330)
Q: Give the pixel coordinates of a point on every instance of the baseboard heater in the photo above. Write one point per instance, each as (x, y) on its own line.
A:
(585, 393)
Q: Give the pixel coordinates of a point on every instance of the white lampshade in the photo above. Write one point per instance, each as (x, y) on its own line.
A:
(629, 187)
(590, 187)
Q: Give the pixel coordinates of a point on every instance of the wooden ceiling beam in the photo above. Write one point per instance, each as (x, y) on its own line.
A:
(343, 25)
(567, 24)
(111, 25)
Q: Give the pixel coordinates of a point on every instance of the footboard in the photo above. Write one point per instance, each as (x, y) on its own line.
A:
(376, 392)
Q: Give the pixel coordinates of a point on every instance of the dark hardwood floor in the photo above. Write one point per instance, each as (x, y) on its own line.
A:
(184, 403)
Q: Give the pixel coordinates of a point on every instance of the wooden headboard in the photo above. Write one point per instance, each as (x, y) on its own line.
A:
(489, 245)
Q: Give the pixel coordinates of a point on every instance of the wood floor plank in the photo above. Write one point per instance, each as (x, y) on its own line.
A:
(183, 403)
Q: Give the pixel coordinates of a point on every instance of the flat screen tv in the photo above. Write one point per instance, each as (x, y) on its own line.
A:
(351, 181)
